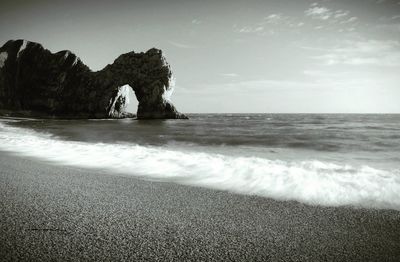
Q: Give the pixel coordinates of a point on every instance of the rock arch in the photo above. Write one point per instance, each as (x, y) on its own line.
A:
(38, 82)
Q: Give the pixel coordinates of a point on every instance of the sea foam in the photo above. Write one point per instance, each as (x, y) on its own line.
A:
(311, 182)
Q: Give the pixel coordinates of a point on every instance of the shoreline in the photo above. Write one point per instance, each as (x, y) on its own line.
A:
(68, 213)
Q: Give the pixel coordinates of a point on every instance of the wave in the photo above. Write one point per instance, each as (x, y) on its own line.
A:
(312, 182)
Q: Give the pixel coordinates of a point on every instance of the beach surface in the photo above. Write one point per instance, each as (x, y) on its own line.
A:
(50, 212)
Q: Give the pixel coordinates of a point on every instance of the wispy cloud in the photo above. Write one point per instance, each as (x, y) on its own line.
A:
(229, 74)
(196, 22)
(391, 24)
(349, 20)
(315, 73)
(181, 45)
(251, 29)
(267, 25)
(318, 12)
(321, 16)
(341, 13)
(389, 27)
(263, 84)
(368, 52)
(322, 13)
(274, 18)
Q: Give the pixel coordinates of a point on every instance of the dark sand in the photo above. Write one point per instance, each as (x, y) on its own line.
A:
(64, 213)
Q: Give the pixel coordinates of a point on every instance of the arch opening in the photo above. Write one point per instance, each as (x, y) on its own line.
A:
(124, 104)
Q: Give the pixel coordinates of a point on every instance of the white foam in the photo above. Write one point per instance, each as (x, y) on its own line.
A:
(22, 47)
(3, 58)
(168, 91)
(312, 182)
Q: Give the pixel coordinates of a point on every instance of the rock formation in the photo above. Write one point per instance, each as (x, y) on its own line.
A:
(36, 82)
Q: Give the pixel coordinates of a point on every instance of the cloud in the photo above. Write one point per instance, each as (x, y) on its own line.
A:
(318, 12)
(229, 74)
(251, 29)
(250, 86)
(395, 28)
(266, 25)
(389, 24)
(314, 73)
(277, 22)
(340, 13)
(322, 13)
(274, 18)
(196, 22)
(368, 52)
(350, 20)
(263, 84)
(181, 45)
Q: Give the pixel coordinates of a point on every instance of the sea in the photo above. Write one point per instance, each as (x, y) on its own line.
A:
(318, 159)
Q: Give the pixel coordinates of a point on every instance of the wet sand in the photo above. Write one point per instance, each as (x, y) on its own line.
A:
(50, 212)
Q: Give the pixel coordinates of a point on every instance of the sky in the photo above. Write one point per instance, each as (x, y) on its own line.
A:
(236, 56)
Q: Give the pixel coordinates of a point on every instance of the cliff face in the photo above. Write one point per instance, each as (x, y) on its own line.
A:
(34, 81)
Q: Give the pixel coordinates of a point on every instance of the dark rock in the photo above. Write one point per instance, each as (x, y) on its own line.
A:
(36, 82)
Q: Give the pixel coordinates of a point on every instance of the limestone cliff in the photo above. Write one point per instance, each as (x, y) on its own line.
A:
(36, 82)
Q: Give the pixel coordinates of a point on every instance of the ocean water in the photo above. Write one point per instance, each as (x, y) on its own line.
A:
(330, 160)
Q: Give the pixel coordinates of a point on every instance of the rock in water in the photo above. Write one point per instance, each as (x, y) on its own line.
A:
(36, 82)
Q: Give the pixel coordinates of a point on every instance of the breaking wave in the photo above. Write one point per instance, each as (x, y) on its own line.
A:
(312, 182)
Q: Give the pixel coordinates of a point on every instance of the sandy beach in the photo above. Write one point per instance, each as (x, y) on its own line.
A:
(49, 212)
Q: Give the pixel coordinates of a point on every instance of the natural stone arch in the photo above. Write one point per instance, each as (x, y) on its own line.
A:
(37, 82)
(150, 77)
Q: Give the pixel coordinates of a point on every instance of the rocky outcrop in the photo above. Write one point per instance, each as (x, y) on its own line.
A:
(36, 82)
